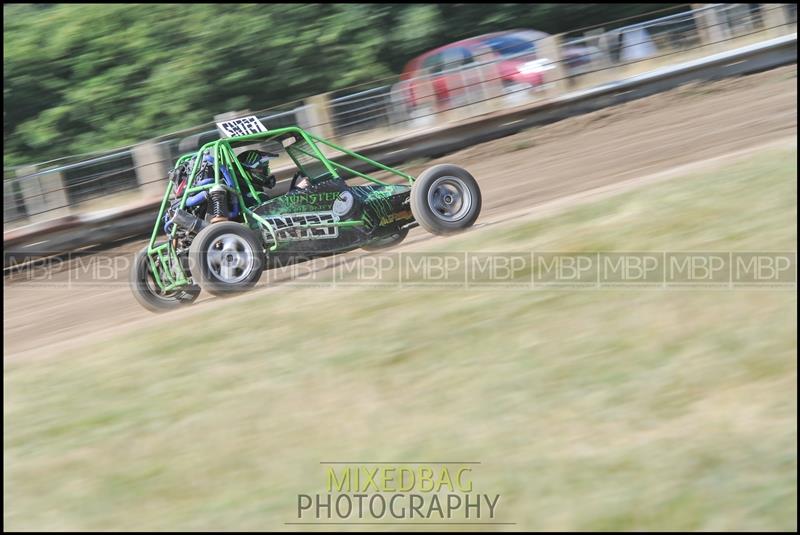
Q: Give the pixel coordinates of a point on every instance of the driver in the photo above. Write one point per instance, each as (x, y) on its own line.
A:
(257, 164)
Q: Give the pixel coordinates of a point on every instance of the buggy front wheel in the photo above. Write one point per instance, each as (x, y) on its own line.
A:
(445, 199)
(147, 292)
(226, 258)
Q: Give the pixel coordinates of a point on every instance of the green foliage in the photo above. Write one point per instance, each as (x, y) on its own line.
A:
(79, 78)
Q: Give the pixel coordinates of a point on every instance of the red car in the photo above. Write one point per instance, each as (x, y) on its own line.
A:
(457, 71)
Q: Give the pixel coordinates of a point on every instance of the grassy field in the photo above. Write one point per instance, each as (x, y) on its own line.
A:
(588, 409)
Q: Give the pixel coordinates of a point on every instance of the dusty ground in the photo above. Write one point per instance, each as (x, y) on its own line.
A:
(689, 124)
(651, 408)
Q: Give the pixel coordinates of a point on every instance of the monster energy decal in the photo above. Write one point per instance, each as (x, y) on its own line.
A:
(311, 198)
(307, 202)
(380, 201)
(399, 216)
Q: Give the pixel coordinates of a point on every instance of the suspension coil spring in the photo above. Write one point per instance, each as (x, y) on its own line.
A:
(218, 204)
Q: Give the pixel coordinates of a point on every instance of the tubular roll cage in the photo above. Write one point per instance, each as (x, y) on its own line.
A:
(222, 153)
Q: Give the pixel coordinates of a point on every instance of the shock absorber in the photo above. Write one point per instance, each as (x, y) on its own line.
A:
(218, 204)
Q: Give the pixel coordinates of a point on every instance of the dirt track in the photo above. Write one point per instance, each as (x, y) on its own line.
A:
(689, 124)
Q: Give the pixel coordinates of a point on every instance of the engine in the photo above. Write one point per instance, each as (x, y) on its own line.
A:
(202, 208)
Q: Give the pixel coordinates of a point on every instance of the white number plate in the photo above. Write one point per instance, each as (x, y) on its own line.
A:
(241, 126)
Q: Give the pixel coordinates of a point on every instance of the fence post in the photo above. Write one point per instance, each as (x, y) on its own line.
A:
(492, 86)
(556, 77)
(775, 18)
(598, 38)
(709, 25)
(44, 195)
(152, 164)
(12, 210)
(316, 116)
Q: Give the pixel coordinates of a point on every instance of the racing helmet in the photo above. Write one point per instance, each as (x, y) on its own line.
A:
(256, 163)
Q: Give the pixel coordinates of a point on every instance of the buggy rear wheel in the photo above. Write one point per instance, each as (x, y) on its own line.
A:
(445, 199)
(149, 295)
(226, 258)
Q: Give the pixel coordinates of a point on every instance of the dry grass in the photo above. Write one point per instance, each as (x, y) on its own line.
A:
(608, 410)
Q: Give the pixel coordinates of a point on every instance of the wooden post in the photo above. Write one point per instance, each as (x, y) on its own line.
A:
(709, 25)
(556, 76)
(44, 193)
(316, 116)
(775, 18)
(152, 165)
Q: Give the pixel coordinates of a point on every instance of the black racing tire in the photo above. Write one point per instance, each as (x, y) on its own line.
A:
(147, 293)
(445, 199)
(387, 242)
(226, 258)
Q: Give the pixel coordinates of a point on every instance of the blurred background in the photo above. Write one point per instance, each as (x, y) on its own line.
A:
(99, 98)
(82, 78)
(589, 127)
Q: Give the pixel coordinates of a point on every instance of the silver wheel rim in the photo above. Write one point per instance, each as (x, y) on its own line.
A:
(230, 258)
(449, 198)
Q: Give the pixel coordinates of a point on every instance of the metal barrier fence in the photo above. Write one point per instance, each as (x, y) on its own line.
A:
(483, 81)
(361, 111)
(409, 102)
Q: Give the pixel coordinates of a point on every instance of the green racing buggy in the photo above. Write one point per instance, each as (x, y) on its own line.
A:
(220, 225)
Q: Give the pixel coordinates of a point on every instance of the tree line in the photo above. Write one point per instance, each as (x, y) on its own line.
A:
(82, 78)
